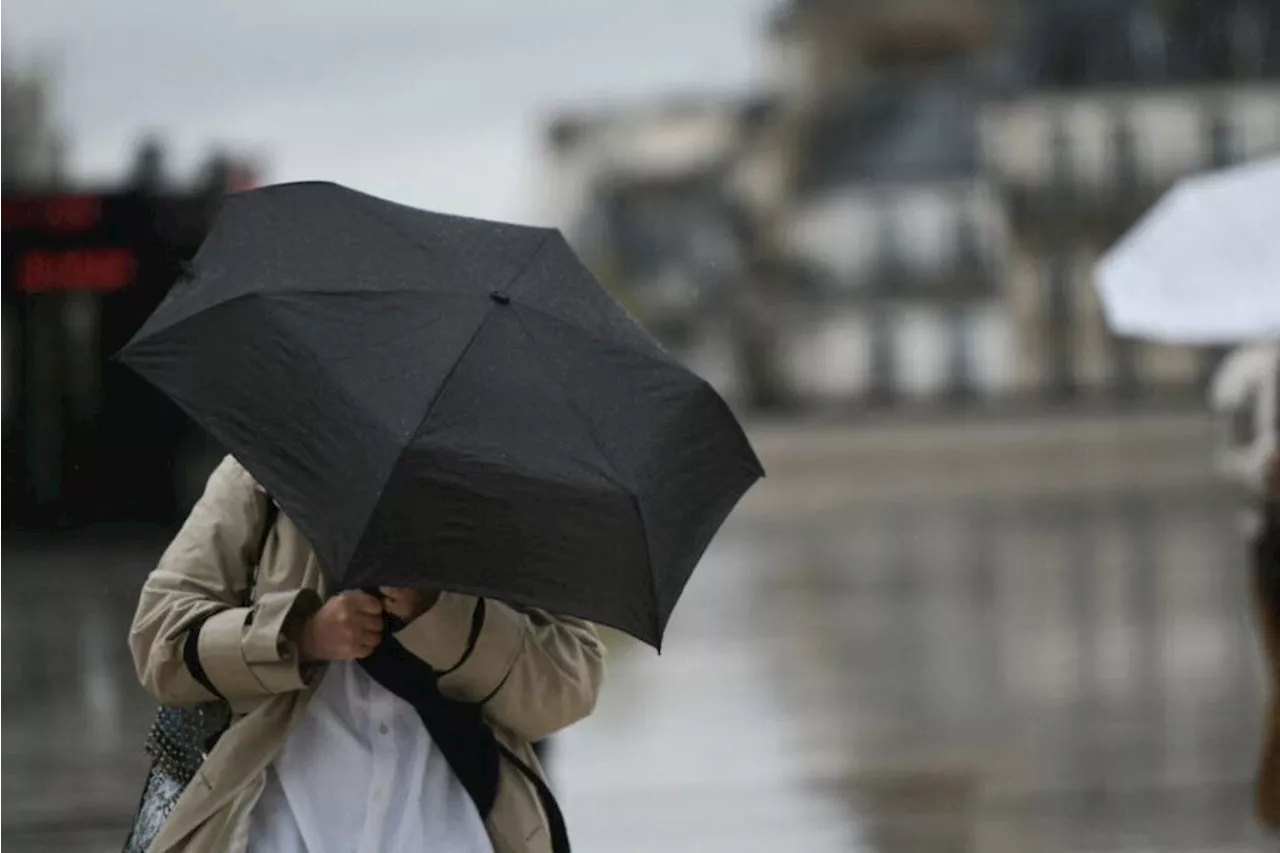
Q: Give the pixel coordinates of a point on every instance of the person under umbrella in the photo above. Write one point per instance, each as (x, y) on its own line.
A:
(1246, 397)
(451, 453)
(1201, 268)
(324, 757)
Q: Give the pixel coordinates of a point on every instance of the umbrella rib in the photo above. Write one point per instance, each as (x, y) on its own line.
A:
(591, 433)
(662, 357)
(568, 400)
(524, 268)
(368, 211)
(276, 294)
(444, 386)
(414, 241)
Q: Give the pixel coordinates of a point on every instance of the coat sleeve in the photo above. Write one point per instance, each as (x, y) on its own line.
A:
(192, 638)
(534, 672)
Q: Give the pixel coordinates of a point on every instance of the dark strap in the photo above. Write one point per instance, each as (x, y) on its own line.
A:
(268, 524)
(555, 819)
(191, 645)
(458, 729)
(1266, 554)
(473, 637)
(191, 656)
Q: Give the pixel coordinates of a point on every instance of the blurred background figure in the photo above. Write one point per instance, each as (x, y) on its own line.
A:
(1246, 396)
(993, 595)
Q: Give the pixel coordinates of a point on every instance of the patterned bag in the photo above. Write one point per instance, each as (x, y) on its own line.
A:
(180, 740)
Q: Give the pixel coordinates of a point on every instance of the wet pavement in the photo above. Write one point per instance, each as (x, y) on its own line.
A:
(929, 639)
(74, 717)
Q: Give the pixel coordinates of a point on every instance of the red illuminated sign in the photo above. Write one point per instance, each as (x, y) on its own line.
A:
(56, 213)
(102, 270)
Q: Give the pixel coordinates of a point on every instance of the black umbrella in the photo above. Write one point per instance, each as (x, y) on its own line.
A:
(443, 401)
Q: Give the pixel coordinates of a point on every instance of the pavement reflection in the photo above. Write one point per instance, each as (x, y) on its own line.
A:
(1062, 667)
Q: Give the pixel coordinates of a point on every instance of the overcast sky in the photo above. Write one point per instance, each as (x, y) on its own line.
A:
(437, 104)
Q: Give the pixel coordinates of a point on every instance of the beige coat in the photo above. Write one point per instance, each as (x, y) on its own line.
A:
(534, 672)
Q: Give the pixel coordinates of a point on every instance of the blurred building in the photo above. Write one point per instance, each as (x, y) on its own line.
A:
(883, 196)
(83, 267)
(824, 49)
(33, 147)
(1114, 102)
(653, 198)
(1076, 44)
(911, 212)
(1076, 169)
(829, 241)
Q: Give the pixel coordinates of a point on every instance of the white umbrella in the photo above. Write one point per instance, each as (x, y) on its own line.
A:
(1203, 266)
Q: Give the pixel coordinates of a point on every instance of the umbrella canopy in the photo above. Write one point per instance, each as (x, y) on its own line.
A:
(450, 402)
(1203, 266)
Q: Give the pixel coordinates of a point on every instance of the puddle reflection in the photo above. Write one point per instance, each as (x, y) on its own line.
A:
(1051, 674)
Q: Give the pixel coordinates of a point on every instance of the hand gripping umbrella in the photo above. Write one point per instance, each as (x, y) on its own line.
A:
(440, 401)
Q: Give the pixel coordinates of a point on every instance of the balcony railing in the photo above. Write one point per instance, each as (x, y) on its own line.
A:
(1111, 154)
(944, 240)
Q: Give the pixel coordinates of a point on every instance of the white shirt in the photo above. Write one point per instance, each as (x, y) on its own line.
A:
(1245, 396)
(360, 774)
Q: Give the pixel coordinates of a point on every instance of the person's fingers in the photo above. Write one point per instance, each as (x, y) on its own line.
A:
(402, 597)
(364, 613)
(365, 603)
(366, 647)
(362, 641)
(401, 602)
(358, 620)
(370, 629)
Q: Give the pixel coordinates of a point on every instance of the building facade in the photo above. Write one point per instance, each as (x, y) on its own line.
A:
(911, 213)
(33, 146)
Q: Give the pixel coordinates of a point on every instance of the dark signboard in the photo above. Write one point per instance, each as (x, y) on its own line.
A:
(53, 213)
(84, 439)
(100, 270)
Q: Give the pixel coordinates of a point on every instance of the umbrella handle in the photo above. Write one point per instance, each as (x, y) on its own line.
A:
(391, 623)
